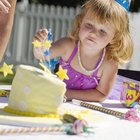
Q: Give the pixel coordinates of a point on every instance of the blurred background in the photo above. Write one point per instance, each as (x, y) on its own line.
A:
(31, 15)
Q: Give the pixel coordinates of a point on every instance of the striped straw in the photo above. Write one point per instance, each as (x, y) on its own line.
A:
(25, 130)
(77, 127)
(98, 108)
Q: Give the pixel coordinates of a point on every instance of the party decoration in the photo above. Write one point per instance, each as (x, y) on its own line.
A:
(52, 64)
(78, 125)
(47, 52)
(50, 35)
(4, 93)
(44, 67)
(130, 115)
(47, 44)
(133, 114)
(62, 73)
(6, 69)
(37, 43)
(71, 128)
(130, 94)
(124, 3)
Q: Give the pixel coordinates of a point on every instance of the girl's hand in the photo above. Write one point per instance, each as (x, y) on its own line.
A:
(39, 53)
(41, 35)
(4, 6)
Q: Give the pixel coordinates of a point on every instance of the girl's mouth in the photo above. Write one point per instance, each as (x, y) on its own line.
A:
(91, 40)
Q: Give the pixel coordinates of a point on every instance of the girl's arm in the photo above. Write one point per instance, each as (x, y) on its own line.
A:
(61, 47)
(103, 89)
(89, 95)
(6, 23)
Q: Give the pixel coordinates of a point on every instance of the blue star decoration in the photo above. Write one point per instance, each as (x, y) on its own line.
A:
(47, 52)
(51, 64)
(50, 35)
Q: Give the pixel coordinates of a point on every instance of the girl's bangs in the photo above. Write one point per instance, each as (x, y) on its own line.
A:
(100, 16)
(103, 17)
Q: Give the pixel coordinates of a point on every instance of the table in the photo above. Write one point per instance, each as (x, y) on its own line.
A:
(108, 128)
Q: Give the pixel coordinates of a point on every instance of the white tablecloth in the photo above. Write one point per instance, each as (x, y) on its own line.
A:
(111, 128)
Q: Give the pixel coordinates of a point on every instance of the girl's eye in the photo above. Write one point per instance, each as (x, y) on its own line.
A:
(87, 25)
(103, 32)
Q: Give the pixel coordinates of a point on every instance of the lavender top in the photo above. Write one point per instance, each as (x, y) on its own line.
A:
(78, 80)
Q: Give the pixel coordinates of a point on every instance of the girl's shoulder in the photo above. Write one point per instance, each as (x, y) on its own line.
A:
(66, 46)
(64, 42)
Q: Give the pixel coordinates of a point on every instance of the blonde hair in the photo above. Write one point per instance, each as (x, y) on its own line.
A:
(120, 49)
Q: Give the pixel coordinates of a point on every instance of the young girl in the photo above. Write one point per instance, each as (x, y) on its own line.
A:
(99, 41)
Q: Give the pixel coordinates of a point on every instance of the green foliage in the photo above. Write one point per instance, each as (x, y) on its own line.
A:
(6, 80)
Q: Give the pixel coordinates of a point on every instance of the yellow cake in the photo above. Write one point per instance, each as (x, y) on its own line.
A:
(35, 92)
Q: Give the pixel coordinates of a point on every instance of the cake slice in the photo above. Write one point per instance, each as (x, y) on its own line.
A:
(35, 92)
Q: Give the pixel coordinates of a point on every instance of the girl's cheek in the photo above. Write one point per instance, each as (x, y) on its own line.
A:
(85, 30)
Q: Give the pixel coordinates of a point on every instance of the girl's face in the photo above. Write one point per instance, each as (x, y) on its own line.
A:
(95, 35)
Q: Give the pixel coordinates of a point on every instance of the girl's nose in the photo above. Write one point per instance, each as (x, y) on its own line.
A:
(94, 32)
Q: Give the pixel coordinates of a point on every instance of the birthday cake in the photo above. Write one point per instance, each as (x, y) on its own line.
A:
(35, 92)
